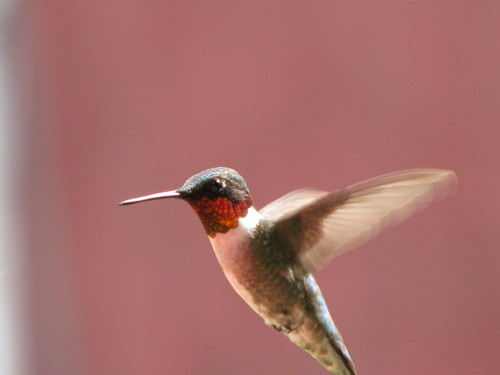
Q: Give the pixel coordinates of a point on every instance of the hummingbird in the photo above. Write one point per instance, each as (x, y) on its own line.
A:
(269, 256)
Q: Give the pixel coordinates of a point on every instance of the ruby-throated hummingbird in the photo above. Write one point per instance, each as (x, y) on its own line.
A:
(269, 256)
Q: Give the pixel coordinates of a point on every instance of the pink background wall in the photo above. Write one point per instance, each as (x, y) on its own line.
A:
(130, 98)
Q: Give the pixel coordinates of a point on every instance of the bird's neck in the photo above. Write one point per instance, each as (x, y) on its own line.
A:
(231, 248)
(219, 215)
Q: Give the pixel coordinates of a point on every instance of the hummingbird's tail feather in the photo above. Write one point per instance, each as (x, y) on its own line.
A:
(313, 340)
(319, 336)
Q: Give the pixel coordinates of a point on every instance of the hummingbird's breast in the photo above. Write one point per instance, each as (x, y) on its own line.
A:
(252, 265)
(233, 251)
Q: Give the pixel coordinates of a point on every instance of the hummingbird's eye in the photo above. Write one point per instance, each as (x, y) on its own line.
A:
(217, 184)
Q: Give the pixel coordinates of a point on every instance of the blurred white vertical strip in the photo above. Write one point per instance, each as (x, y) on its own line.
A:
(12, 357)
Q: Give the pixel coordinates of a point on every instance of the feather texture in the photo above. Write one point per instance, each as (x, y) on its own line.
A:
(320, 225)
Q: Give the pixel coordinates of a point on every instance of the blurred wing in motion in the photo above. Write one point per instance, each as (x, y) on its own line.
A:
(289, 204)
(320, 225)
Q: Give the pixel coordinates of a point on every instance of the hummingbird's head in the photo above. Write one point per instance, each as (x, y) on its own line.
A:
(219, 196)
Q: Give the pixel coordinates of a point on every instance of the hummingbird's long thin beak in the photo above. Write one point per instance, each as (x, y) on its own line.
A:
(164, 195)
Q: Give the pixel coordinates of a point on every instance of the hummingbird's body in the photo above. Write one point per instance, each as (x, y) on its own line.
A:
(269, 256)
(284, 296)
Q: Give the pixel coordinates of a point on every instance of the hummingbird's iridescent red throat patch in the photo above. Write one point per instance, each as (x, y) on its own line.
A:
(219, 215)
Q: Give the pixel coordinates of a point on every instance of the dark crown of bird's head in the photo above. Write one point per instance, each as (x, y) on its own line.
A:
(215, 183)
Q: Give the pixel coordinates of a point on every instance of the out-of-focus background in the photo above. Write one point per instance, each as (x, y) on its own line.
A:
(107, 100)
